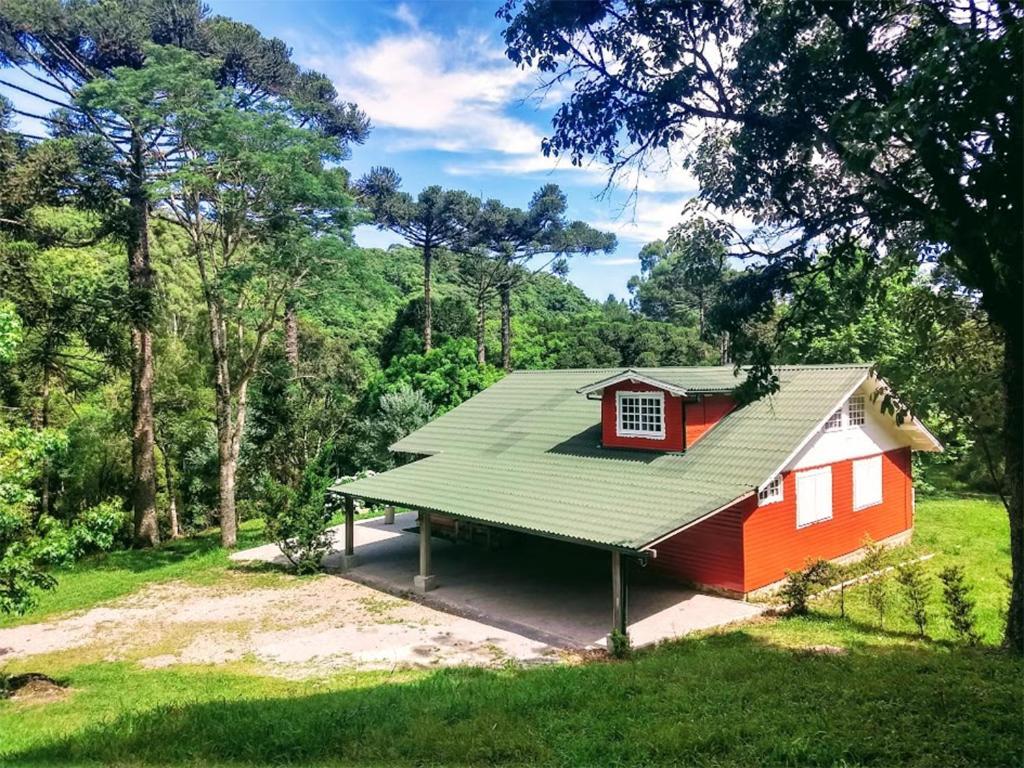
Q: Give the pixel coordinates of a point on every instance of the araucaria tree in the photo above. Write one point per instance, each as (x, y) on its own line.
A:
(250, 190)
(846, 127)
(515, 240)
(434, 220)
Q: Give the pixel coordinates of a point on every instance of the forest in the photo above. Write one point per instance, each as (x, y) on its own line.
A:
(190, 336)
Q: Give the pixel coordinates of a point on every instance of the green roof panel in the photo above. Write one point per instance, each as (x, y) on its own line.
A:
(526, 454)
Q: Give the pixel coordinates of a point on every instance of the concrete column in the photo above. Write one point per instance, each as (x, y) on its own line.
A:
(425, 580)
(348, 558)
(620, 593)
(389, 515)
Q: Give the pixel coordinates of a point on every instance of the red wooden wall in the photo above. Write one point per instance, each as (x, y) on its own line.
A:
(673, 420)
(708, 554)
(746, 547)
(772, 544)
(704, 413)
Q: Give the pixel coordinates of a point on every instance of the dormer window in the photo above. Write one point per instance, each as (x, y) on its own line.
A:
(640, 414)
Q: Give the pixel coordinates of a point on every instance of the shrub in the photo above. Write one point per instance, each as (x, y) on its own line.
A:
(298, 522)
(959, 604)
(800, 585)
(915, 589)
(100, 527)
(620, 644)
(876, 588)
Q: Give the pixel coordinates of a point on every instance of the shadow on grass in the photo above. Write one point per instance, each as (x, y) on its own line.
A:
(722, 700)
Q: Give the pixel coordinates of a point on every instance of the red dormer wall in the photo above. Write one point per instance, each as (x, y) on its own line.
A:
(704, 413)
(673, 440)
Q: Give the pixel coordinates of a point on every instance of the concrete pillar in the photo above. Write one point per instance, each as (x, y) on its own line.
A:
(620, 593)
(425, 580)
(389, 515)
(348, 559)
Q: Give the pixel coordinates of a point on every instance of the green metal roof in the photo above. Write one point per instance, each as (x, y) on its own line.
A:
(525, 454)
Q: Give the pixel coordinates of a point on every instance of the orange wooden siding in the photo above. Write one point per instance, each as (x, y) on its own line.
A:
(673, 440)
(745, 547)
(772, 544)
(703, 414)
(708, 554)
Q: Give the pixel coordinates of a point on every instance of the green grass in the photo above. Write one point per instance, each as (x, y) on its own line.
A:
(756, 695)
(96, 579)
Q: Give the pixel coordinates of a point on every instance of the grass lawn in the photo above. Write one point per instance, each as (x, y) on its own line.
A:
(198, 559)
(818, 690)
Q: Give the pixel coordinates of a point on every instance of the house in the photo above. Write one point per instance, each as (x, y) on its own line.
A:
(661, 466)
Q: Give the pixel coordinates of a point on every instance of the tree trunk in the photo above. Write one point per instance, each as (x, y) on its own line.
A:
(481, 329)
(227, 465)
(172, 497)
(140, 301)
(506, 327)
(40, 421)
(226, 455)
(291, 337)
(428, 310)
(1013, 383)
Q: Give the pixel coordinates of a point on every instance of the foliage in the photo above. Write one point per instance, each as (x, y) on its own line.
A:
(297, 521)
(915, 589)
(959, 604)
(619, 644)
(10, 331)
(446, 376)
(800, 585)
(876, 588)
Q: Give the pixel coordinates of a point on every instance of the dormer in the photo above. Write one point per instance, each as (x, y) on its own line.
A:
(640, 411)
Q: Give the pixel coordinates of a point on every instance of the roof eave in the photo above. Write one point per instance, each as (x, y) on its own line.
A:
(631, 375)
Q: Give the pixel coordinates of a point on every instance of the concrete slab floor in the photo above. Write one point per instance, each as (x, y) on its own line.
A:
(548, 591)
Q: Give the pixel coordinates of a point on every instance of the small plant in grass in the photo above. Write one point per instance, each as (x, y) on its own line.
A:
(621, 645)
(915, 589)
(800, 585)
(876, 588)
(297, 521)
(959, 604)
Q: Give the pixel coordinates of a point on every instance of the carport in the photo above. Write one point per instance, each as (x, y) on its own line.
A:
(552, 591)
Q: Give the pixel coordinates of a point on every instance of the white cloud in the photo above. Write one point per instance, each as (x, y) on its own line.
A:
(405, 15)
(449, 94)
(616, 262)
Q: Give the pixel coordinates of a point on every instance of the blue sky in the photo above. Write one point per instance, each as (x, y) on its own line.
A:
(449, 108)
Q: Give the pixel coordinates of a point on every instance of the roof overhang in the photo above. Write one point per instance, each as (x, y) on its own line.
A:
(918, 437)
(633, 377)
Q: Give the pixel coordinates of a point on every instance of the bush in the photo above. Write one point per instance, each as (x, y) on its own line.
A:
(876, 588)
(800, 585)
(959, 604)
(99, 528)
(915, 589)
(298, 522)
(620, 645)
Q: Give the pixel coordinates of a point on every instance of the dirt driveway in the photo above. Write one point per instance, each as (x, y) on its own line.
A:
(299, 629)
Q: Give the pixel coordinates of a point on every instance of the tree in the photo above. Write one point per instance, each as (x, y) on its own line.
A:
(436, 219)
(511, 238)
(250, 192)
(62, 47)
(895, 127)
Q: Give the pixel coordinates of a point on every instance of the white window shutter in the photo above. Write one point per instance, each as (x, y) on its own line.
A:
(867, 482)
(813, 496)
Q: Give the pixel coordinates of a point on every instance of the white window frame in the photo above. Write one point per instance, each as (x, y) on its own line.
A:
(772, 493)
(818, 513)
(857, 412)
(835, 421)
(641, 395)
(868, 489)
